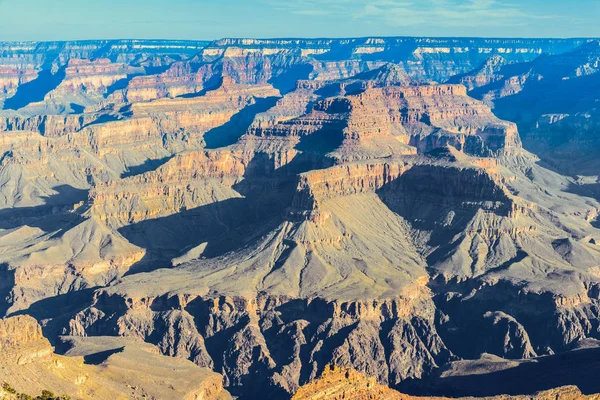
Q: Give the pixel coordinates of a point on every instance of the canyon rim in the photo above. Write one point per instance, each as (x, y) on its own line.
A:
(387, 217)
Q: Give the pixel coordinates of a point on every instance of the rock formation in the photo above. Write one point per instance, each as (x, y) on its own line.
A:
(339, 383)
(534, 96)
(267, 208)
(98, 368)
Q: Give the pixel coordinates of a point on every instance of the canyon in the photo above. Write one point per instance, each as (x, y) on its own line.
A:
(300, 218)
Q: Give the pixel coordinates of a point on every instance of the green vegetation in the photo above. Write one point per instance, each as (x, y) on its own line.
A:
(46, 394)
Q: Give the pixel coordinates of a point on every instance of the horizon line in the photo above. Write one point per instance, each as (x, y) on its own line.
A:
(310, 38)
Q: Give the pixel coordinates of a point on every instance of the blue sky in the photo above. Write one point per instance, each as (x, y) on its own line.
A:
(203, 19)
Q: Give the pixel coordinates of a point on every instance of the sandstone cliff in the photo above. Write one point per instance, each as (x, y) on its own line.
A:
(533, 95)
(266, 208)
(97, 369)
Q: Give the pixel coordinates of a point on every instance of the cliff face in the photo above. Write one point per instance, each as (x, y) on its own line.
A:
(102, 368)
(12, 77)
(22, 342)
(434, 58)
(380, 121)
(283, 341)
(265, 208)
(533, 95)
(91, 77)
(316, 252)
(35, 68)
(165, 72)
(281, 62)
(339, 383)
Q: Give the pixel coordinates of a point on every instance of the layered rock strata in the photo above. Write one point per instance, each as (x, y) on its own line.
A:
(102, 368)
(266, 208)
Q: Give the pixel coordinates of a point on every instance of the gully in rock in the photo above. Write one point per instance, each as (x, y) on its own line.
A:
(365, 218)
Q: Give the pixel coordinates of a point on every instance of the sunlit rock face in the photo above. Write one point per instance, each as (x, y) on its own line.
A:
(267, 208)
(96, 368)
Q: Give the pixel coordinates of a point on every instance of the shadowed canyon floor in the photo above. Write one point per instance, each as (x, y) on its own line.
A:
(403, 208)
(339, 383)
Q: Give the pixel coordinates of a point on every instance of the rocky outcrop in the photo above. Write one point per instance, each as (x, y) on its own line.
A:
(187, 181)
(165, 74)
(47, 125)
(273, 345)
(22, 342)
(126, 51)
(282, 62)
(266, 208)
(12, 77)
(532, 94)
(146, 131)
(81, 252)
(179, 79)
(26, 62)
(99, 368)
(89, 78)
(380, 121)
(203, 73)
(487, 74)
(435, 59)
(341, 383)
(510, 334)
(404, 175)
(337, 383)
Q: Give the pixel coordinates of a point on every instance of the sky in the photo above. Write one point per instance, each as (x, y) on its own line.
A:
(204, 19)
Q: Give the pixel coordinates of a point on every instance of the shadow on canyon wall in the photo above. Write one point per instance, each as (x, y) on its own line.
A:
(579, 368)
(229, 133)
(236, 222)
(124, 83)
(147, 166)
(35, 90)
(287, 81)
(54, 313)
(54, 215)
(7, 283)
